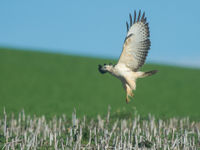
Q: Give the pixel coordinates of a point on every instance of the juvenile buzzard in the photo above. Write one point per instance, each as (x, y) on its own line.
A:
(135, 50)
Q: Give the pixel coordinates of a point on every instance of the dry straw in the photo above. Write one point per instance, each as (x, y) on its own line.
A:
(26, 132)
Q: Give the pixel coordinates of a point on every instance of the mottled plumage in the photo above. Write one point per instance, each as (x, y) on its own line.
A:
(133, 56)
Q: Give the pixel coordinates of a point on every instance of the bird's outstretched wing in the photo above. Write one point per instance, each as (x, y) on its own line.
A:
(137, 42)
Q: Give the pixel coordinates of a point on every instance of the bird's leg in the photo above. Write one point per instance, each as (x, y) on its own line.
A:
(129, 93)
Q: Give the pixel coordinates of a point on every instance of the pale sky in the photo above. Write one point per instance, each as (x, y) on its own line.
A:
(97, 28)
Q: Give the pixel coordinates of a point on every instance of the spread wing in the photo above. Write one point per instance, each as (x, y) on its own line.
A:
(136, 44)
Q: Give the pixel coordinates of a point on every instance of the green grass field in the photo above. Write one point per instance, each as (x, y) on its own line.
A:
(53, 84)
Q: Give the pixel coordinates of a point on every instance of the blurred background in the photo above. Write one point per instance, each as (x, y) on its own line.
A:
(98, 29)
(50, 51)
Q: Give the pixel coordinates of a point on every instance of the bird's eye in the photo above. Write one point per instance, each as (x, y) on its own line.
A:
(104, 64)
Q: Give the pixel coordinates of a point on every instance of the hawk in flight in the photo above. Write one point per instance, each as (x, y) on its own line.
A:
(135, 50)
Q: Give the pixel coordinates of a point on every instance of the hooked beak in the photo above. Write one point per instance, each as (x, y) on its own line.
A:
(101, 69)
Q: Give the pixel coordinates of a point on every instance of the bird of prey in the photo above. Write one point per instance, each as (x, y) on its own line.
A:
(135, 50)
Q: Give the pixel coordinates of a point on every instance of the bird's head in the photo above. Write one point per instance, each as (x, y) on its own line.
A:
(105, 68)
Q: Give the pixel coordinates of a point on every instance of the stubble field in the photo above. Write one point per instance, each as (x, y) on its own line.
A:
(47, 85)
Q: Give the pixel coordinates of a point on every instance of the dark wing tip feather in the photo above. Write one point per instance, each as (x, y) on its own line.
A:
(130, 20)
(143, 17)
(134, 16)
(127, 26)
(138, 19)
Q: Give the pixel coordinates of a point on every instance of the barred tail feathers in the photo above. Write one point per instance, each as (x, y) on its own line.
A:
(146, 74)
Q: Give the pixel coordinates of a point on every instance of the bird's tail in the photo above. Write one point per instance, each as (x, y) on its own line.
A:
(146, 74)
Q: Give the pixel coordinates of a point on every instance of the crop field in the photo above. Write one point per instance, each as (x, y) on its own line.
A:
(65, 103)
(26, 132)
(55, 84)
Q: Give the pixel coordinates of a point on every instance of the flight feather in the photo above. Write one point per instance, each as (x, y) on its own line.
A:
(137, 42)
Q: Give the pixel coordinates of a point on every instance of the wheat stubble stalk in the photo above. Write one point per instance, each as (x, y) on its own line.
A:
(26, 132)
